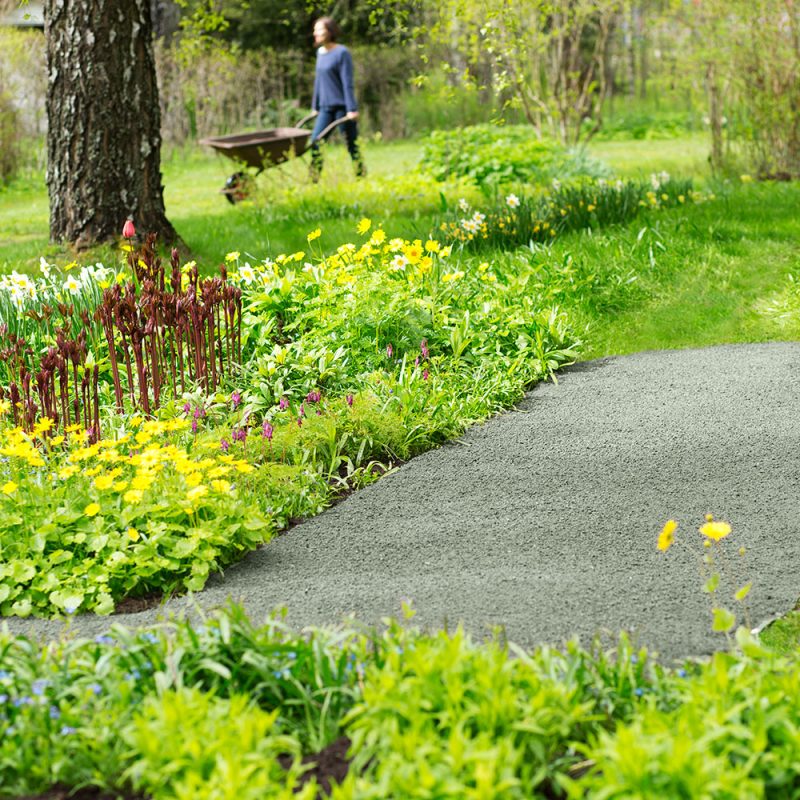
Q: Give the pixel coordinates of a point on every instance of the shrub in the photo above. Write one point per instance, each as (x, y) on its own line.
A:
(488, 154)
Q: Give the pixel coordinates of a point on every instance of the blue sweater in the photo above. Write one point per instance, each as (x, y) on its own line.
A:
(333, 83)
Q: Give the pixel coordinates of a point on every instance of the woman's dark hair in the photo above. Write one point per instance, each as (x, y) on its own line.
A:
(334, 31)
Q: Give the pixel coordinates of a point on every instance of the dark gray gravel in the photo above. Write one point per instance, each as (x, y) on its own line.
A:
(544, 520)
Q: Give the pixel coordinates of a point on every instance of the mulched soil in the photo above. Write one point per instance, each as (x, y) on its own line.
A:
(330, 765)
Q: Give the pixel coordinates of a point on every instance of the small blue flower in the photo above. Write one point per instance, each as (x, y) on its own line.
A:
(291, 655)
(66, 730)
(22, 701)
(95, 688)
(634, 659)
(4, 674)
(133, 675)
(104, 639)
(3, 698)
(639, 692)
(681, 673)
(39, 686)
(54, 712)
(149, 637)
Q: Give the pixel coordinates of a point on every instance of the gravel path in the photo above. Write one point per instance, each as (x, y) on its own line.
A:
(545, 519)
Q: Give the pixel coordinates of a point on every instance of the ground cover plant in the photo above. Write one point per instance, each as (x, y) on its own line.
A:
(421, 715)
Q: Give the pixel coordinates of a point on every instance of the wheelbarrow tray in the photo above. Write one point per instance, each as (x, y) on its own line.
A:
(261, 149)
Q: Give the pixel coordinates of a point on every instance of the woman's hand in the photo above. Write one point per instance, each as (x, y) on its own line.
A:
(352, 115)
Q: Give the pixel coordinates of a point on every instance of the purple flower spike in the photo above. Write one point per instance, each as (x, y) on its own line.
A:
(224, 445)
(194, 425)
(313, 397)
(302, 409)
(389, 351)
(299, 422)
(236, 399)
(350, 400)
(423, 346)
(283, 404)
(266, 431)
(416, 361)
(424, 374)
(187, 407)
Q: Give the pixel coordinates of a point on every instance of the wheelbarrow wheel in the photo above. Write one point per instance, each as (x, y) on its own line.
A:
(238, 187)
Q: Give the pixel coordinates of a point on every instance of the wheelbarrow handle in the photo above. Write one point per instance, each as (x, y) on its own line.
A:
(307, 118)
(325, 131)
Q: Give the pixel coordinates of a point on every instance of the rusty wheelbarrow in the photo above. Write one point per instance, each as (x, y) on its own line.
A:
(262, 149)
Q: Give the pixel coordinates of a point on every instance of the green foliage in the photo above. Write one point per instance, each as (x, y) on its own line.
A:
(513, 154)
(576, 205)
(226, 749)
(183, 710)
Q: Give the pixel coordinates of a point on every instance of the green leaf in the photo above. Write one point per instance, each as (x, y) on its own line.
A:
(744, 591)
(723, 620)
(711, 584)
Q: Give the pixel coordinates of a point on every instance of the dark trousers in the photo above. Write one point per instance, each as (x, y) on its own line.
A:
(350, 128)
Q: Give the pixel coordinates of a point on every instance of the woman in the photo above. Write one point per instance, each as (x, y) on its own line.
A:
(334, 97)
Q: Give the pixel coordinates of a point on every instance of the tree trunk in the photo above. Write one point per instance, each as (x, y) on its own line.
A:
(104, 137)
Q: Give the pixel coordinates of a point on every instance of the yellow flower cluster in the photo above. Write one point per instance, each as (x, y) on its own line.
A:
(128, 466)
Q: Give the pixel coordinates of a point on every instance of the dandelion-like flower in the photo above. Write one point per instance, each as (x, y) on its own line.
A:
(715, 530)
(315, 234)
(364, 225)
(667, 535)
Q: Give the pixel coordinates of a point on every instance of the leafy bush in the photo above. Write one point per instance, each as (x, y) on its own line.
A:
(488, 154)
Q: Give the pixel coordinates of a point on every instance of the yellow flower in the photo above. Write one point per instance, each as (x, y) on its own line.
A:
(133, 534)
(452, 276)
(67, 472)
(232, 256)
(667, 535)
(133, 496)
(715, 530)
(243, 466)
(143, 437)
(103, 482)
(43, 425)
(591, 207)
(378, 236)
(445, 251)
(314, 235)
(745, 178)
(92, 509)
(221, 486)
(364, 226)
(10, 487)
(120, 486)
(92, 472)
(142, 482)
(5, 407)
(432, 246)
(56, 441)
(193, 479)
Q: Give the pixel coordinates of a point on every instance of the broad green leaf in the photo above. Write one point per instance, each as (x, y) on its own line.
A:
(712, 583)
(723, 620)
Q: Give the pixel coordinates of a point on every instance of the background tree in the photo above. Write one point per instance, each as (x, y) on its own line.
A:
(104, 139)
